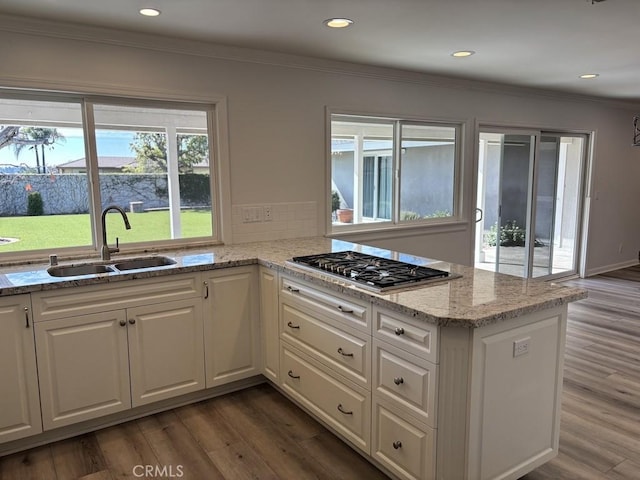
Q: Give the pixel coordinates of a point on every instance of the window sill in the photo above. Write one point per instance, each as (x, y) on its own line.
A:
(371, 231)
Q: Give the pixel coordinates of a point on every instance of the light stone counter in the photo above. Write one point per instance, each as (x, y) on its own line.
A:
(474, 298)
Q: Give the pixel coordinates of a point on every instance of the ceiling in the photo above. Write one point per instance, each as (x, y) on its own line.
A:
(534, 43)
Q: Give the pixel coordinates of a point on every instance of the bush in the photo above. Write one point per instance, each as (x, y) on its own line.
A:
(35, 206)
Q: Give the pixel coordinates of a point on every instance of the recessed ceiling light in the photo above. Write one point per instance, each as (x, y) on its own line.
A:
(338, 22)
(588, 76)
(149, 12)
(462, 53)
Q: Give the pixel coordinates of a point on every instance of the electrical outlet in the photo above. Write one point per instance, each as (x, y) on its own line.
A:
(267, 213)
(521, 347)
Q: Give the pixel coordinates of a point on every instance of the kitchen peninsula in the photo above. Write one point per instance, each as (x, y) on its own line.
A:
(460, 378)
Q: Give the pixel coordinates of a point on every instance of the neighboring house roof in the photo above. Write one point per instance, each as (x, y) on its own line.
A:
(114, 163)
(103, 162)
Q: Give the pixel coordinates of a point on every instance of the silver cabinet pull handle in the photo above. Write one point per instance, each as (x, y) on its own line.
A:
(344, 310)
(291, 325)
(341, 352)
(342, 410)
(206, 290)
(398, 380)
(397, 444)
(399, 331)
(293, 289)
(290, 373)
(123, 323)
(26, 317)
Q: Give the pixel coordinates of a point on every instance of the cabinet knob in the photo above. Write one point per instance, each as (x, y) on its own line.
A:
(398, 380)
(293, 289)
(342, 410)
(123, 323)
(290, 373)
(291, 325)
(399, 331)
(397, 444)
(132, 321)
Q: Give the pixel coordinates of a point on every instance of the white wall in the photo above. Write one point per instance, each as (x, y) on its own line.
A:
(276, 121)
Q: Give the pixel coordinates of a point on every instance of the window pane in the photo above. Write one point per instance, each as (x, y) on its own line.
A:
(361, 170)
(154, 163)
(427, 171)
(42, 206)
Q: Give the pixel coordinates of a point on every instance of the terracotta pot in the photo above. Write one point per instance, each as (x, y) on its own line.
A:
(345, 215)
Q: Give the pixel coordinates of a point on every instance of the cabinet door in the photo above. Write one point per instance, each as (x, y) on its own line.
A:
(83, 367)
(231, 326)
(166, 351)
(269, 323)
(19, 403)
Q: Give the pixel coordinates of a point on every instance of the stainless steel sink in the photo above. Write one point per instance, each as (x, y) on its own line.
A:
(143, 262)
(79, 269)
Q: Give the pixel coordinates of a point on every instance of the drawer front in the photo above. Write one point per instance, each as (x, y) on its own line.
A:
(407, 380)
(414, 336)
(71, 302)
(343, 406)
(402, 444)
(347, 353)
(350, 311)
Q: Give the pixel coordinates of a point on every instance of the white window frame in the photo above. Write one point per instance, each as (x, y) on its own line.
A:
(395, 223)
(216, 110)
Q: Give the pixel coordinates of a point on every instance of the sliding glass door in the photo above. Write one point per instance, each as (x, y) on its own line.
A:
(528, 203)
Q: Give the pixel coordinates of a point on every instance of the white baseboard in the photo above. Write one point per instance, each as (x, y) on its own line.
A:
(609, 268)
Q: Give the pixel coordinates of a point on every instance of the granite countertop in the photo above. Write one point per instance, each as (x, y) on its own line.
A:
(474, 298)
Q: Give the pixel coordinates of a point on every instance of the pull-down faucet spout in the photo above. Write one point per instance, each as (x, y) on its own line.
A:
(106, 251)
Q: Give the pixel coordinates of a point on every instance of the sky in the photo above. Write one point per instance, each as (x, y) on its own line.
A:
(110, 144)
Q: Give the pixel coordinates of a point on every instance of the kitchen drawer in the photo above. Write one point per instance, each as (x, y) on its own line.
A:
(70, 302)
(402, 444)
(350, 311)
(346, 352)
(342, 405)
(407, 380)
(414, 336)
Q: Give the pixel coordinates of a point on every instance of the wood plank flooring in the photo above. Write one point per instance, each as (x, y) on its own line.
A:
(259, 434)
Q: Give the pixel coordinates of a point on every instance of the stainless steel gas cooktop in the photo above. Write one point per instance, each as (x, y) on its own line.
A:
(370, 272)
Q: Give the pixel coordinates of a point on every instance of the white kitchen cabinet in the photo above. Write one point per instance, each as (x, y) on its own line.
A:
(83, 364)
(166, 350)
(403, 445)
(95, 359)
(19, 403)
(325, 361)
(231, 325)
(268, 280)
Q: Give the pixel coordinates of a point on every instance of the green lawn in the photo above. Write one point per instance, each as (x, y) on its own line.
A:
(56, 231)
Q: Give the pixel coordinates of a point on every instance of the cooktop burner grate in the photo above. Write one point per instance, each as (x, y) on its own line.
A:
(376, 273)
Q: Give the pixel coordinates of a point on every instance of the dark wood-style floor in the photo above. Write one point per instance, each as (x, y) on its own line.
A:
(258, 434)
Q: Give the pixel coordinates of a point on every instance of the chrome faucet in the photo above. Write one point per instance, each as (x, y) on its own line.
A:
(106, 250)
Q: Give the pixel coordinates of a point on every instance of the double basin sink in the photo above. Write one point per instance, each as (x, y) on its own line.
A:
(123, 265)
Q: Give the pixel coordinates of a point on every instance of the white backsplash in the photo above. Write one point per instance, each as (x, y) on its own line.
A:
(288, 220)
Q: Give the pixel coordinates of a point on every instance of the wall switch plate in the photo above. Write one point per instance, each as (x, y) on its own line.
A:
(521, 347)
(251, 214)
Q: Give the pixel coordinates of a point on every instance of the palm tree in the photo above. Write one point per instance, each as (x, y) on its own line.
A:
(34, 137)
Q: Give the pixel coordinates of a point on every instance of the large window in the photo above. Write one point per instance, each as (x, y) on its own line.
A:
(392, 171)
(64, 160)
